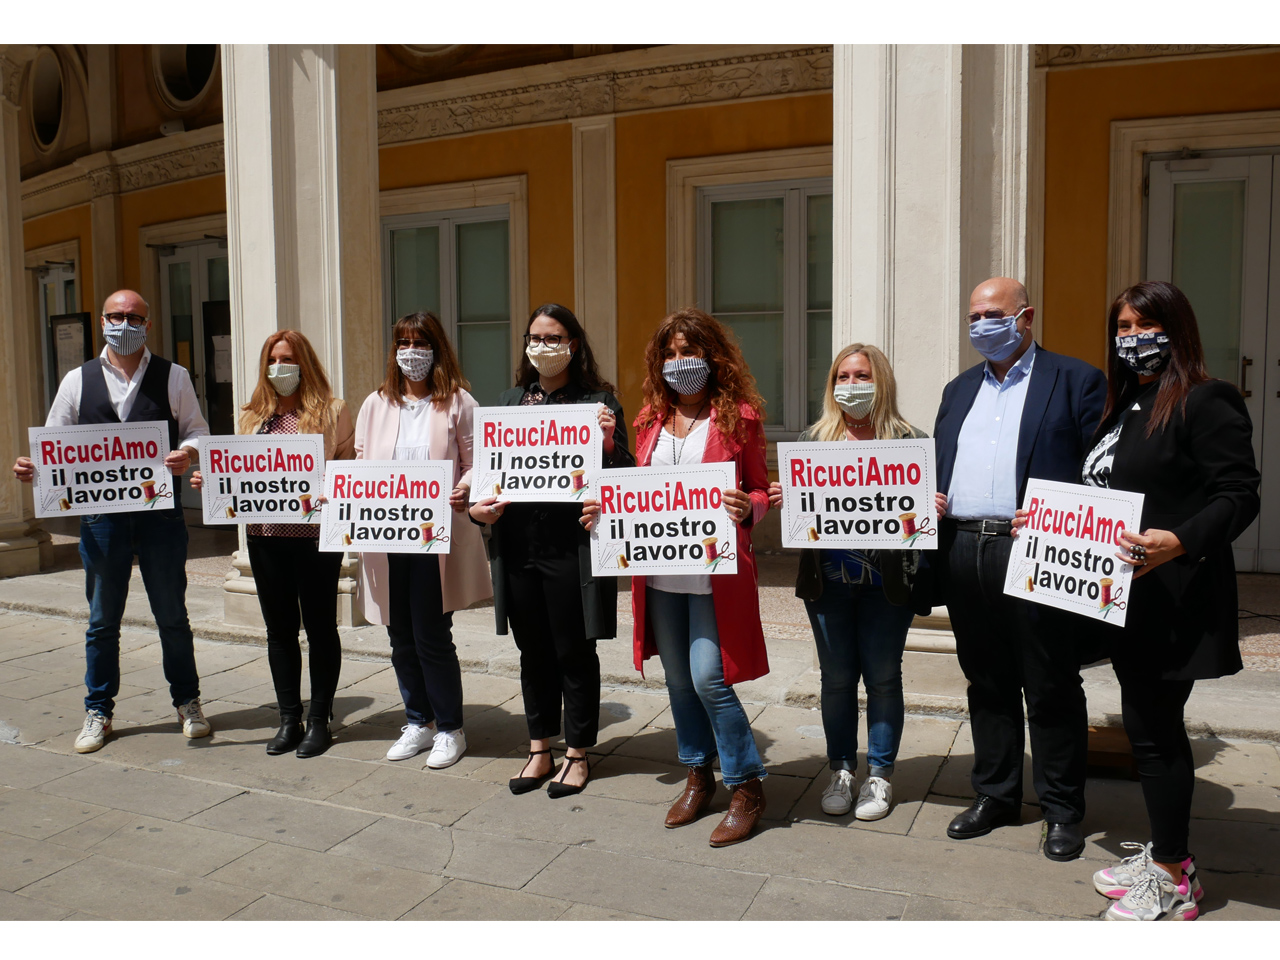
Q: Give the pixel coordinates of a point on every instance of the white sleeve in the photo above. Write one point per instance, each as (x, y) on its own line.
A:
(65, 411)
(185, 407)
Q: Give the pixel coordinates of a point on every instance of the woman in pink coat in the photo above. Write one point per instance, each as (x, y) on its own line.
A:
(423, 411)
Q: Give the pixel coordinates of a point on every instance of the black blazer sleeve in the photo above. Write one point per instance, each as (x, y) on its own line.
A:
(1092, 398)
(622, 455)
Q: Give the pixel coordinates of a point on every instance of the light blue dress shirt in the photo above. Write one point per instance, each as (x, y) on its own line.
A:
(984, 481)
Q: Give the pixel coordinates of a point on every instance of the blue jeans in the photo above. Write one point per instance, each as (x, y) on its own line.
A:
(709, 718)
(108, 542)
(860, 634)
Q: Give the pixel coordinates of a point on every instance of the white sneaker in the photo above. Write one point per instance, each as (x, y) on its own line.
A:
(449, 747)
(1154, 896)
(94, 733)
(413, 740)
(874, 799)
(194, 725)
(1115, 881)
(837, 799)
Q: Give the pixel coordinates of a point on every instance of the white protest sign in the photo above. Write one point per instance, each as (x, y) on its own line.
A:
(858, 494)
(548, 452)
(387, 506)
(262, 478)
(664, 520)
(1065, 556)
(100, 468)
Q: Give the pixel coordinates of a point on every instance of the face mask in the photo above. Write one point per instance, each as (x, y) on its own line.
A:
(548, 360)
(284, 377)
(856, 399)
(687, 375)
(415, 362)
(124, 339)
(996, 338)
(1145, 353)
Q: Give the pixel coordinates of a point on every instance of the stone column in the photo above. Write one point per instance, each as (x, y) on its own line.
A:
(302, 202)
(595, 241)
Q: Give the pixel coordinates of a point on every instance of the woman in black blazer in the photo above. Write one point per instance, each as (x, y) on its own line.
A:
(1184, 441)
(540, 560)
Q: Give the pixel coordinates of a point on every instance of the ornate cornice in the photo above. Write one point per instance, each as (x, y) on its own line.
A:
(1058, 55)
(10, 79)
(185, 164)
(453, 107)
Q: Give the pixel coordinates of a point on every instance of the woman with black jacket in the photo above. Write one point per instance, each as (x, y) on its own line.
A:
(540, 560)
(1184, 441)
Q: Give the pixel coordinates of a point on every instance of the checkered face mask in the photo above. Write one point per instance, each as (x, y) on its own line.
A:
(686, 375)
(1145, 353)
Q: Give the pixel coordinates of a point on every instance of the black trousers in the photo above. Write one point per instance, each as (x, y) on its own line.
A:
(298, 586)
(558, 664)
(422, 651)
(1153, 719)
(1010, 649)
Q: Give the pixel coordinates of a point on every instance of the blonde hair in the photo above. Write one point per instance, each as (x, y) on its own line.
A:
(888, 422)
(315, 396)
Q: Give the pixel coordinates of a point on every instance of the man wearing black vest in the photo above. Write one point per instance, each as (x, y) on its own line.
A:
(128, 383)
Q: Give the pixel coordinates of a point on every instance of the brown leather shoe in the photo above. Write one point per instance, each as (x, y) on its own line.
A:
(745, 810)
(699, 790)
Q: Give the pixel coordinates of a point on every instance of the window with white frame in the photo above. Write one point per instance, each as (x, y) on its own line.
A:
(764, 269)
(456, 264)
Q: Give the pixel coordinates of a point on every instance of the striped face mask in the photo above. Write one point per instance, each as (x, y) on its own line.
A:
(284, 377)
(686, 375)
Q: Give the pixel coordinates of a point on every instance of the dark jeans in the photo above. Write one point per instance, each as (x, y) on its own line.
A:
(108, 542)
(860, 635)
(558, 664)
(422, 651)
(1009, 648)
(1152, 710)
(298, 584)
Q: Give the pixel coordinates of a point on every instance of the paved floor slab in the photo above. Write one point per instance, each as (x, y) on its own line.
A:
(140, 791)
(464, 900)
(283, 821)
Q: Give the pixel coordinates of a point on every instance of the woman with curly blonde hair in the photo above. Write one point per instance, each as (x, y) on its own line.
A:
(702, 406)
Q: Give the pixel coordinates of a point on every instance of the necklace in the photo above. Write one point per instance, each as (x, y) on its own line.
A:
(675, 450)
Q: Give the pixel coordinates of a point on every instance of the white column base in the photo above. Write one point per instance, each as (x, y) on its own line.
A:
(19, 551)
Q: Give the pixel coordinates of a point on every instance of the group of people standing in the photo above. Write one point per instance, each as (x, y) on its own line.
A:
(1155, 424)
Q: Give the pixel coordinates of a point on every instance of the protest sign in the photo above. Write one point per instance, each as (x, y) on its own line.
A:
(863, 494)
(97, 468)
(1065, 556)
(387, 506)
(664, 520)
(547, 452)
(262, 478)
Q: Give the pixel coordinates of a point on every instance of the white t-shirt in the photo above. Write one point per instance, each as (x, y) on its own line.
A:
(690, 449)
(414, 439)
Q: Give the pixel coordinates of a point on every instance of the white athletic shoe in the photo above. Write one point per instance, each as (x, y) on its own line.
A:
(1154, 896)
(191, 716)
(837, 799)
(1114, 882)
(94, 733)
(449, 747)
(413, 740)
(874, 799)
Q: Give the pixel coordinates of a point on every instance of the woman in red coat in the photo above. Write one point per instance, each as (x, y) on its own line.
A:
(701, 406)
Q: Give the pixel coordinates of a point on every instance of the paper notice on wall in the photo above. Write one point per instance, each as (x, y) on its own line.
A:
(536, 454)
(388, 506)
(68, 341)
(222, 359)
(257, 479)
(100, 468)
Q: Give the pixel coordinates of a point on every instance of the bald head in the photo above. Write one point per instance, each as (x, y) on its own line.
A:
(1004, 293)
(126, 301)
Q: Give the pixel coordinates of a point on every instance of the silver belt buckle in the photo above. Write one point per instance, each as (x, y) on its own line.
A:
(990, 533)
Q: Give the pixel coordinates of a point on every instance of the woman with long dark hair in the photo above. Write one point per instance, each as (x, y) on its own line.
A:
(540, 560)
(423, 411)
(701, 406)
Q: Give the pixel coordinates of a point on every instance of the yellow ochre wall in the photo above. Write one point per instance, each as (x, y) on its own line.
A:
(1080, 105)
(173, 201)
(73, 223)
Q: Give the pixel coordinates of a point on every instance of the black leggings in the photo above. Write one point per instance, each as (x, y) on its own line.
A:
(1152, 710)
(298, 585)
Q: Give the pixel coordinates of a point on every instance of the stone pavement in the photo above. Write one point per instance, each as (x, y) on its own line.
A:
(157, 827)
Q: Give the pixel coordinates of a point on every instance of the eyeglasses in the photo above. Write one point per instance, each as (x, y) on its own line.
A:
(975, 317)
(547, 341)
(133, 319)
(414, 344)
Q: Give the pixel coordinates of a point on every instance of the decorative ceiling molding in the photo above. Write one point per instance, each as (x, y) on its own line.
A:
(1061, 55)
(567, 90)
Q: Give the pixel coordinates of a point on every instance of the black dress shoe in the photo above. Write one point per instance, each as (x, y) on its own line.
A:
(1063, 841)
(316, 740)
(519, 785)
(557, 789)
(983, 816)
(287, 737)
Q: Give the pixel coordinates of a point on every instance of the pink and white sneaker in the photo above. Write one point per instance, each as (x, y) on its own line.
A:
(1154, 896)
(1114, 882)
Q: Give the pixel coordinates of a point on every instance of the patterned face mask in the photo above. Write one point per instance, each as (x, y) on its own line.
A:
(686, 375)
(1144, 353)
(415, 362)
(284, 377)
(856, 399)
(124, 339)
(549, 360)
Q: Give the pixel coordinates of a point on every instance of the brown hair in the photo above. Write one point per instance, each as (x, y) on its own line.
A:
(582, 365)
(445, 378)
(729, 385)
(314, 393)
(888, 422)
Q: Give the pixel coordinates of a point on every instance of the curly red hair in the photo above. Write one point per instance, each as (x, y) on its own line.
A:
(731, 384)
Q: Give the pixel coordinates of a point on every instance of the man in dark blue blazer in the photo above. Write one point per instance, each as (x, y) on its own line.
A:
(1023, 413)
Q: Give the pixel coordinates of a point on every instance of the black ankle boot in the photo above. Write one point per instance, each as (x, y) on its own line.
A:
(316, 740)
(287, 737)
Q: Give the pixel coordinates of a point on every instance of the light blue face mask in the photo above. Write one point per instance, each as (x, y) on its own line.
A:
(124, 339)
(996, 338)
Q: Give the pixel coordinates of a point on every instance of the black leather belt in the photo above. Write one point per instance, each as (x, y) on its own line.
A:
(986, 528)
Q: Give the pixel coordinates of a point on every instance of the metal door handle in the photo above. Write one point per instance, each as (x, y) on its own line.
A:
(1245, 364)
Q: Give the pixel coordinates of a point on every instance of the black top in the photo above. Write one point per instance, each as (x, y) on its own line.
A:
(151, 403)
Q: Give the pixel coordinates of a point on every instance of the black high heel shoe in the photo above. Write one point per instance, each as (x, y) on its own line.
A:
(519, 785)
(557, 789)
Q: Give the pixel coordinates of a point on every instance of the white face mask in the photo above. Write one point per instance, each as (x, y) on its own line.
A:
(856, 399)
(549, 360)
(284, 377)
(415, 362)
